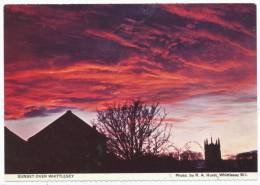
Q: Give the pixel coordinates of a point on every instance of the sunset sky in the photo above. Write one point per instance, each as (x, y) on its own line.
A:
(198, 61)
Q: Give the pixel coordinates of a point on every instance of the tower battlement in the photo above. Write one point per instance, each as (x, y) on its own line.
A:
(212, 151)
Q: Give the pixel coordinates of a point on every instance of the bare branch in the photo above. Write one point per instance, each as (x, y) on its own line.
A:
(134, 129)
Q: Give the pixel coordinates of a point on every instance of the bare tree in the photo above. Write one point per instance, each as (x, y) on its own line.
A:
(134, 129)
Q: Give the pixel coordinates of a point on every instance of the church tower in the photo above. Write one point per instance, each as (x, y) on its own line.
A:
(212, 152)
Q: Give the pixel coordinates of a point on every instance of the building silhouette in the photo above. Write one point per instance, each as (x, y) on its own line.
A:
(67, 145)
(212, 152)
(247, 160)
(14, 151)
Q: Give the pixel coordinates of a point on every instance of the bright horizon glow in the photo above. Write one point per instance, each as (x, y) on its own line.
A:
(183, 129)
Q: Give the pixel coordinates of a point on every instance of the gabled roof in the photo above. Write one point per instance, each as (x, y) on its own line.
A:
(68, 125)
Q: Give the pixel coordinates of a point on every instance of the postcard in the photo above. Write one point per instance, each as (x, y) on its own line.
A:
(130, 92)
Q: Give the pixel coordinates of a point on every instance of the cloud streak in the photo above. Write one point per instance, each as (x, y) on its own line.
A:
(86, 56)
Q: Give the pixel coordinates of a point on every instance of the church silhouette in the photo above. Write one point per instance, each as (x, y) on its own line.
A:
(212, 150)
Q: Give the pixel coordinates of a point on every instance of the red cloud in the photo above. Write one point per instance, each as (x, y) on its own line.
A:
(110, 36)
(206, 14)
(155, 61)
(147, 85)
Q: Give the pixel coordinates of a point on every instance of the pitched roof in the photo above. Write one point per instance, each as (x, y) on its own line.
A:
(68, 125)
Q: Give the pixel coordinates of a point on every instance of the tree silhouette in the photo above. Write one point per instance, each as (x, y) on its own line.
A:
(134, 129)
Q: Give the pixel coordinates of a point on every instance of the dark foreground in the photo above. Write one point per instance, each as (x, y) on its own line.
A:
(144, 165)
(69, 145)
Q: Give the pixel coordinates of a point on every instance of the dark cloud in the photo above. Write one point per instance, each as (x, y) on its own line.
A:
(43, 111)
(34, 112)
(84, 56)
(246, 99)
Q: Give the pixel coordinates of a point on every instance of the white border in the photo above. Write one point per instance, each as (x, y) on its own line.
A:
(3, 2)
(220, 176)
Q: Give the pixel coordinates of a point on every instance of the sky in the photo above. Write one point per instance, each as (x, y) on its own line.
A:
(198, 61)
